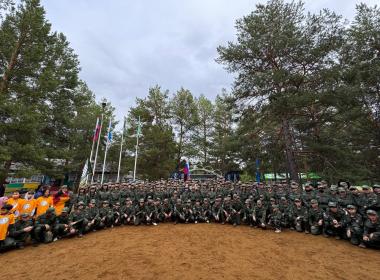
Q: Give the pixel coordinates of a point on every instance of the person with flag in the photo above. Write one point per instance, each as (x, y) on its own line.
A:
(60, 199)
(186, 170)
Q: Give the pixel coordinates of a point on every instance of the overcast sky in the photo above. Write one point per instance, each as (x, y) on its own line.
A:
(127, 46)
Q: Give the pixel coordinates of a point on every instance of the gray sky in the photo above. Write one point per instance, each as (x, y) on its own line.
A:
(127, 46)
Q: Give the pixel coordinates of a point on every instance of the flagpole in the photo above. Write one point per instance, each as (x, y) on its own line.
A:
(137, 144)
(121, 150)
(93, 145)
(97, 149)
(105, 153)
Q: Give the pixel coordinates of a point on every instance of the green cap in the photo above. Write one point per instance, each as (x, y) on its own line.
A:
(65, 210)
(371, 212)
(332, 204)
(313, 201)
(350, 206)
(93, 201)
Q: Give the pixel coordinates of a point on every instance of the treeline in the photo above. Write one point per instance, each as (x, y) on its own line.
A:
(306, 98)
(307, 90)
(47, 113)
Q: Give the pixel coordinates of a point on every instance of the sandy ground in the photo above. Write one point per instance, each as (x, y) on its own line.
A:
(202, 251)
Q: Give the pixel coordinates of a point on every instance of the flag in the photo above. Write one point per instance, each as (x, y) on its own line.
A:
(98, 127)
(108, 137)
(85, 172)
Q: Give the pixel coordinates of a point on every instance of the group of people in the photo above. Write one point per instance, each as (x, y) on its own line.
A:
(339, 211)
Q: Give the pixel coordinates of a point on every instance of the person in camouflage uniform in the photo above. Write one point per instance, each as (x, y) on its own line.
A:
(333, 221)
(92, 216)
(43, 231)
(315, 218)
(127, 212)
(106, 215)
(23, 230)
(260, 215)
(140, 214)
(371, 235)
(218, 214)
(188, 212)
(298, 216)
(78, 220)
(353, 222)
(198, 212)
(247, 212)
(275, 219)
(179, 212)
(117, 214)
(62, 227)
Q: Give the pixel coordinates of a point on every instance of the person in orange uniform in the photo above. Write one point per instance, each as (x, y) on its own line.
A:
(15, 201)
(60, 199)
(28, 204)
(43, 203)
(7, 221)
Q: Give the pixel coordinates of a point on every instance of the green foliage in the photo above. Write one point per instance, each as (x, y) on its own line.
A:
(47, 113)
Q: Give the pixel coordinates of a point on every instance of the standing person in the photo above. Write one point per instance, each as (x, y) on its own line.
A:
(60, 199)
(186, 171)
(43, 203)
(28, 204)
(15, 200)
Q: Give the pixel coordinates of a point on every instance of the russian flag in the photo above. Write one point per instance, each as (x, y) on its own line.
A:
(98, 127)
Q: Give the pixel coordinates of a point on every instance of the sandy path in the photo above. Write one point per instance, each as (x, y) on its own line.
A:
(202, 251)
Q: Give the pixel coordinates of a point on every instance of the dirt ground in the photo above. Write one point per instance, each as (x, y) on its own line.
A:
(202, 251)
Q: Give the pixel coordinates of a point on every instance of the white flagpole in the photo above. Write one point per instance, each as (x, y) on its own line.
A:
(97, 149)
(121, 150)
(137, 144)
(105, 153)
(93, 145)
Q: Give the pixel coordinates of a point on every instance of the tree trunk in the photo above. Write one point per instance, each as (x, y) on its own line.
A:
(291, 160)
(11, 64)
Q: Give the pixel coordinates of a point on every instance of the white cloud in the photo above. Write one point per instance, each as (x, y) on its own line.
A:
(127, 46)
